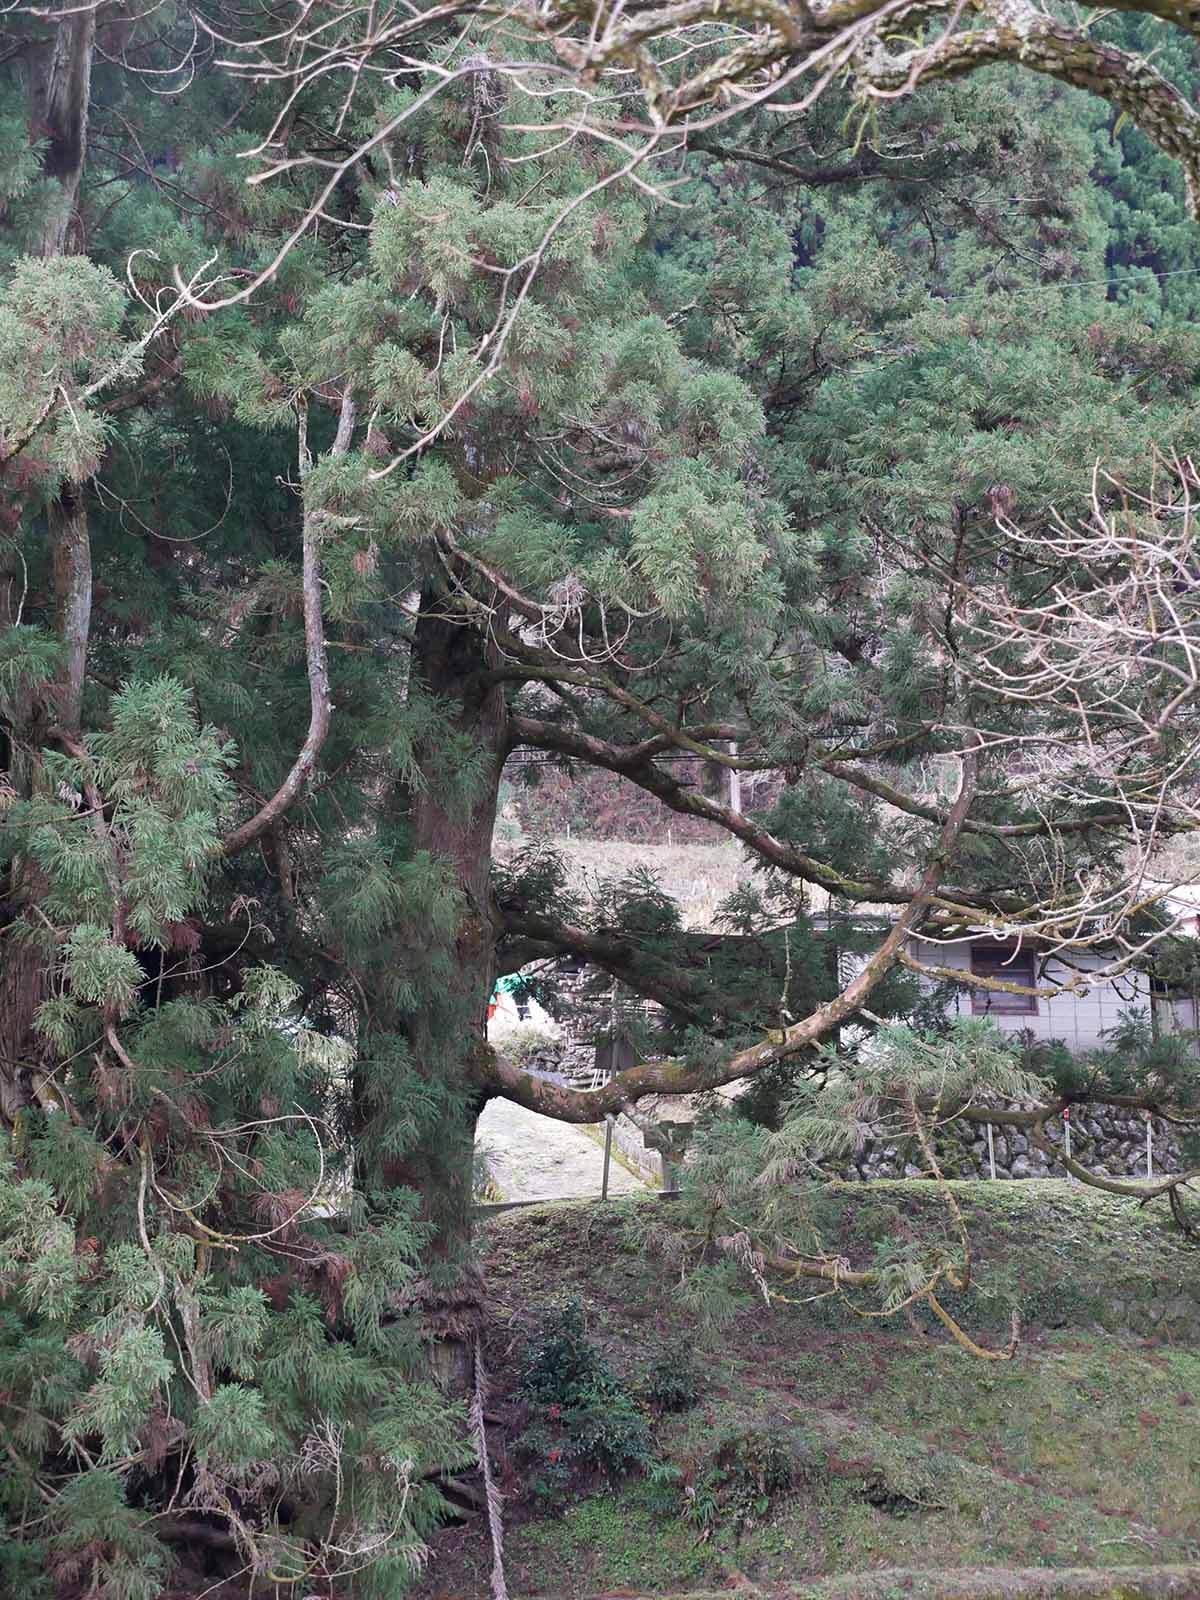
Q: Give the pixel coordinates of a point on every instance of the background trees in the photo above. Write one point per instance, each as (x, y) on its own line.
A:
(755, 479)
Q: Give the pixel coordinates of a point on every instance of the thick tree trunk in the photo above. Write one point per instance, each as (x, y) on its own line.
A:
(22, 990)
(451, 813)
(62, 83)
(24, 965)
(20, 962)
(60, 90)
(450, 666)
(71, 554)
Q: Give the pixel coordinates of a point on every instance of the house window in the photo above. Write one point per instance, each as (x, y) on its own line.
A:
(1007, 964)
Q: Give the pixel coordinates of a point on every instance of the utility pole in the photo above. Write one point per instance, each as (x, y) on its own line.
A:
(612, 1067)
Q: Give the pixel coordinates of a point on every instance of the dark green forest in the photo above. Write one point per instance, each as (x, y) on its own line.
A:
(403, 409)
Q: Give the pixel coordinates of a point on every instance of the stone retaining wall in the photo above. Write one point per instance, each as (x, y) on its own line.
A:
(627, 1138)
(575, 1066)
(1104, 1141)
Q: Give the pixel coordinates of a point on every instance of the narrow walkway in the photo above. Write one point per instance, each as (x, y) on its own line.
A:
(535, 1158)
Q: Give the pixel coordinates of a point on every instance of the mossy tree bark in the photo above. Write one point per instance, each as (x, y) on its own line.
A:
(448, 814)
(60, 88)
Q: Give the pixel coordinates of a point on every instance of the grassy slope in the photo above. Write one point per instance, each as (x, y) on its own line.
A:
(908, 1454)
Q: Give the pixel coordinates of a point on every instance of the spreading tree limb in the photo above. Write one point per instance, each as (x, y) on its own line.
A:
(503, 1078)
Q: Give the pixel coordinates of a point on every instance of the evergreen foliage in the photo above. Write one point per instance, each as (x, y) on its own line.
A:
(270, 626)
(582, 1414)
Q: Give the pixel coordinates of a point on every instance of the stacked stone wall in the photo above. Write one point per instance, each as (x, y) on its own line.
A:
(1104, 1140)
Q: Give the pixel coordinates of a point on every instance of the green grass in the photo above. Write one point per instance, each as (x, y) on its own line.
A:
(912, 1459)
(908, 1454)
(611, 1541)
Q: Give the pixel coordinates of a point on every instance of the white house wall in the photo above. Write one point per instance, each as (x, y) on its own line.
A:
(1079, 1020)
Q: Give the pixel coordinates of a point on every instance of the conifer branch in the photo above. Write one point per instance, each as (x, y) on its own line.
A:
(1034, 1120)
(1019, 33)
(622, 958)
(634, 764)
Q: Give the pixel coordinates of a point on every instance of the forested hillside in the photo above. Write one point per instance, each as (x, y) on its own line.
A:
(409, 415)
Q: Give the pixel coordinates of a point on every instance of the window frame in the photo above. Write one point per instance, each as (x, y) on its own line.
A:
(1011, 963)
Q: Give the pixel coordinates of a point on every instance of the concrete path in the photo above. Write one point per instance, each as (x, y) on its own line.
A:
(536, 1158)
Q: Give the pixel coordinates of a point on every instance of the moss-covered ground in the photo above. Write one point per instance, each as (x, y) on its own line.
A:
(913, 1468)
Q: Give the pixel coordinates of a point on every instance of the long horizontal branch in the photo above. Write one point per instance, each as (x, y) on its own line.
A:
(530, 665)
(900, 801)
(676, 980)
(816, 175)
(632, 760)
(1018, 33)
(1030, 1116)
(764, 40)
(625, 1089)
(1083, 980)
(1035, 1119)
(979, 980)
(634, 764)
(621, 958)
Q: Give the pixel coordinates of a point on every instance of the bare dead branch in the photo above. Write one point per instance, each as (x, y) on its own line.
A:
(316, 654)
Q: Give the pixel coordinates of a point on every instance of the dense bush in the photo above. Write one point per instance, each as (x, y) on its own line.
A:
(733, 1482)
(673, 1383)
(583, 1415)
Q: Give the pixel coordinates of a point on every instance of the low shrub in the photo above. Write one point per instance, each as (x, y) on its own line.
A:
(752, 1467)
(673, 1382)
(525, 1040)
(583, 1415)
(734, 1482)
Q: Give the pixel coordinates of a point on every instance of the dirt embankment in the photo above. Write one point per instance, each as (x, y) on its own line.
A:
(909, 1468)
